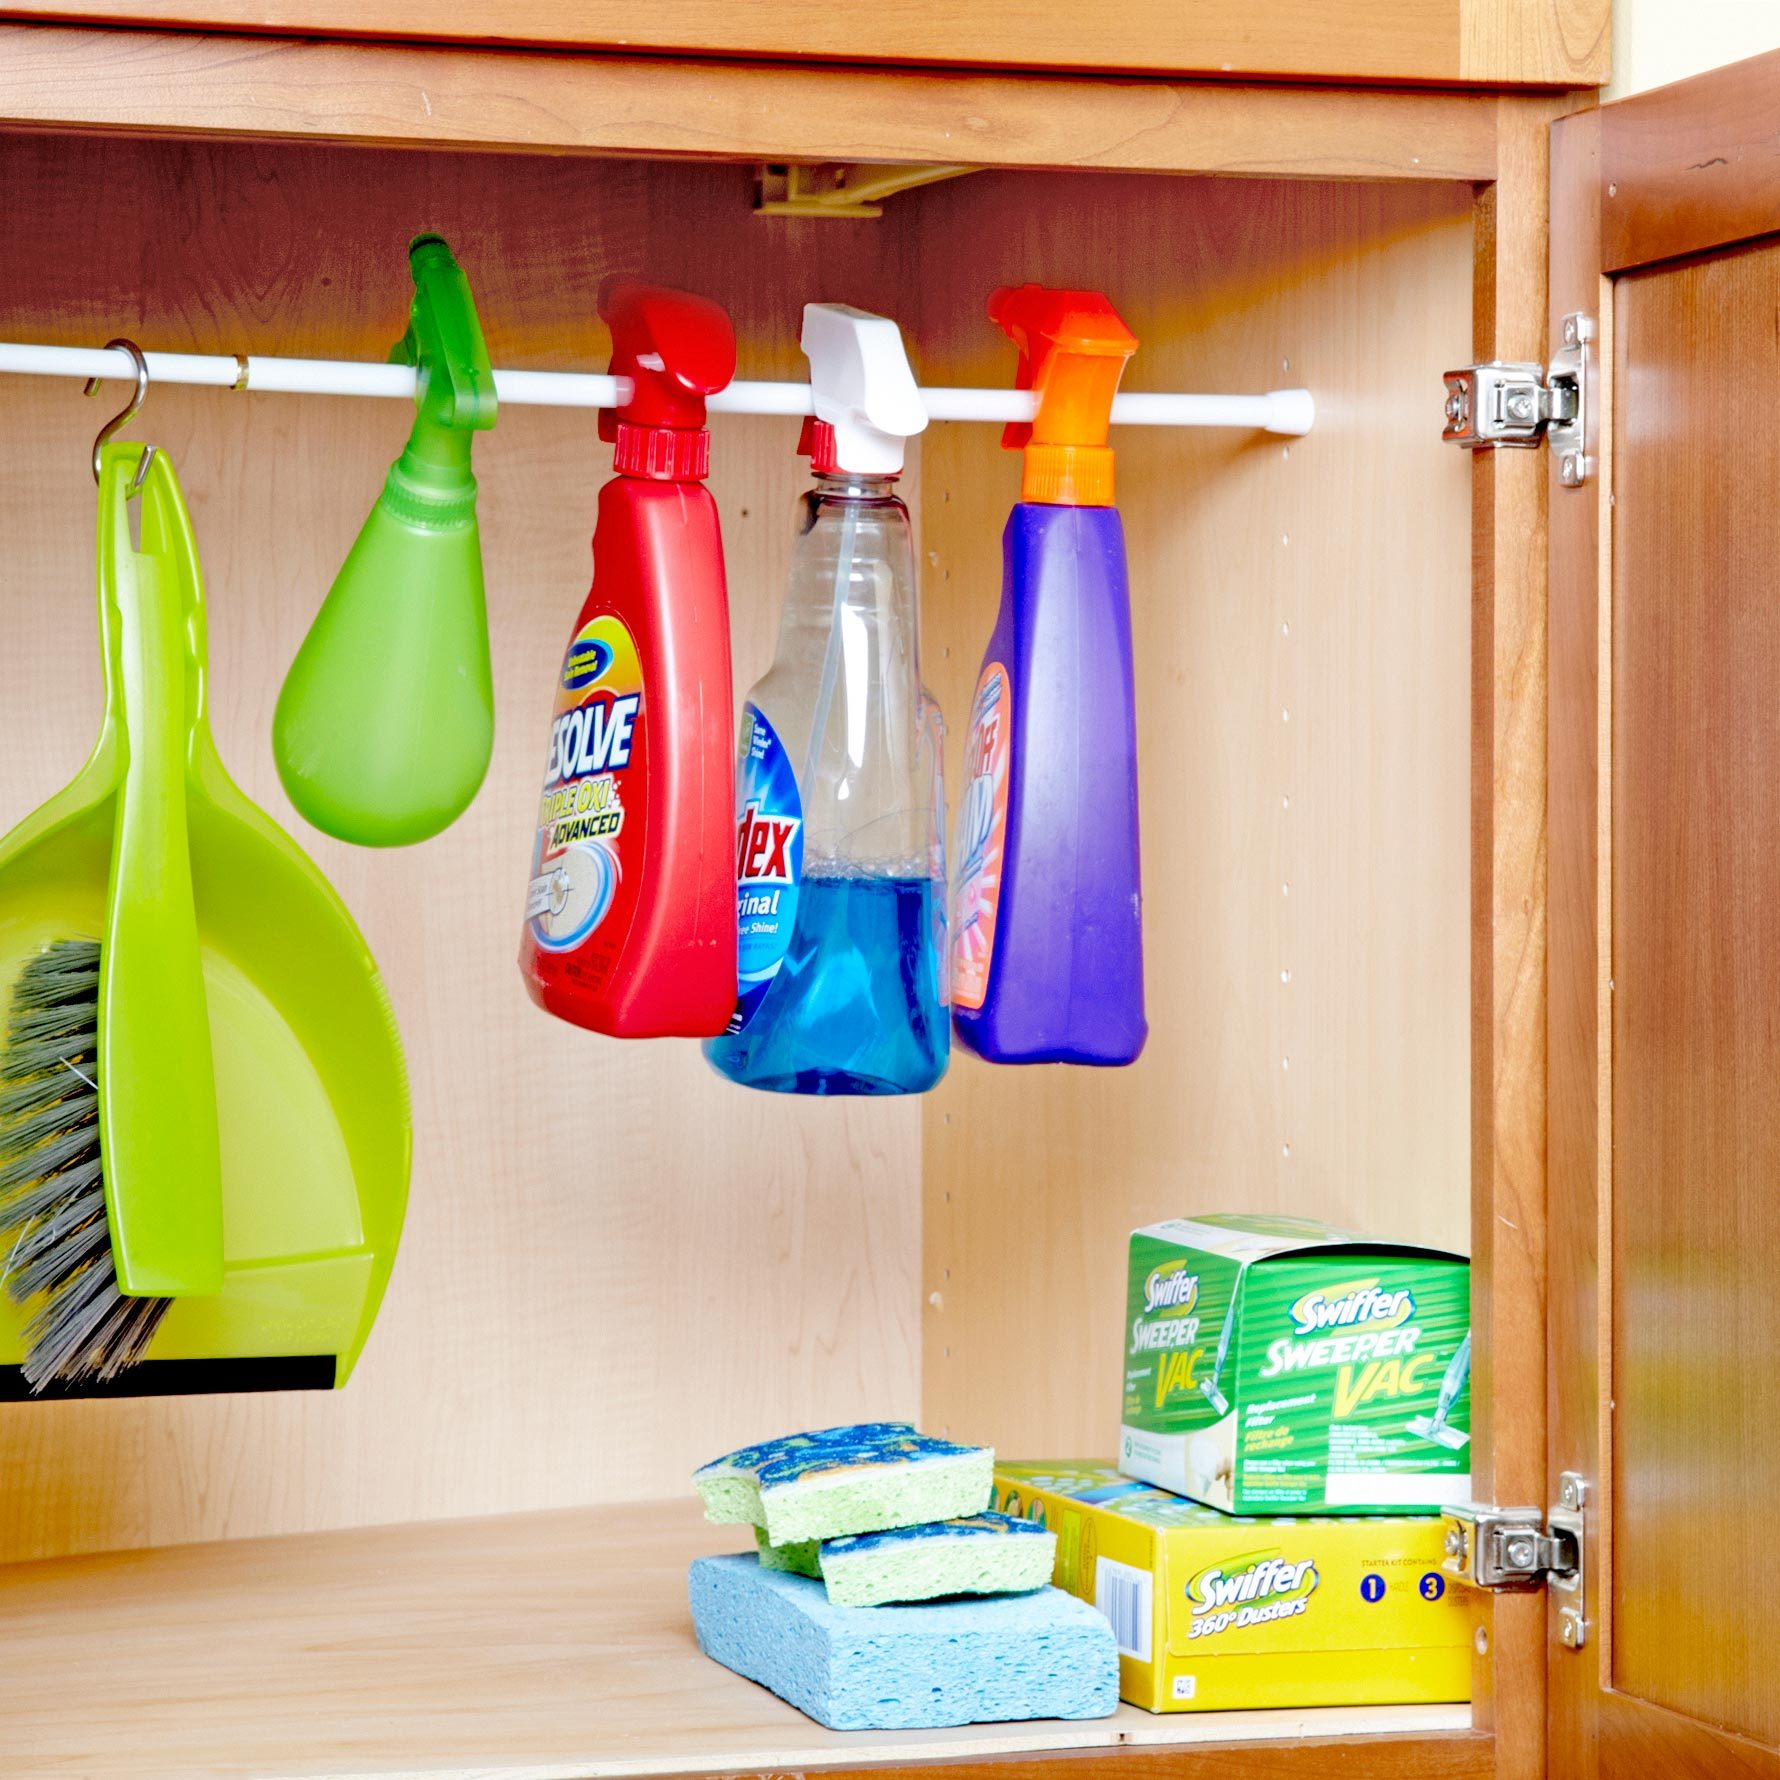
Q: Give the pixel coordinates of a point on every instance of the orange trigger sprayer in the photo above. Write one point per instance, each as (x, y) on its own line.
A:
(1073, 349)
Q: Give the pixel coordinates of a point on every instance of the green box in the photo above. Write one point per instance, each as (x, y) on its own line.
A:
(1281, 1366)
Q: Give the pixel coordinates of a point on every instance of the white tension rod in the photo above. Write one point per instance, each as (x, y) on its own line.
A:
(1280, 411)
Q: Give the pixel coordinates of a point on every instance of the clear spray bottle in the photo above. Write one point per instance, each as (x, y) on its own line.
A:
(840, 866)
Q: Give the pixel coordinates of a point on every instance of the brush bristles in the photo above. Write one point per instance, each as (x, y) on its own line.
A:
(52, 1190)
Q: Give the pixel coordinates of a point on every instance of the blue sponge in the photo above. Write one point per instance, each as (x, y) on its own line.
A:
(979, 1661)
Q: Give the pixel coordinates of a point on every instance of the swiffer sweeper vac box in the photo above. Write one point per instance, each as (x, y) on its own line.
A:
(1212, 1612)
(1279, 1366)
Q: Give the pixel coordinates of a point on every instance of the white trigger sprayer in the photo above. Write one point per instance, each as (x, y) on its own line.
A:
(864, 392)
(841, 926)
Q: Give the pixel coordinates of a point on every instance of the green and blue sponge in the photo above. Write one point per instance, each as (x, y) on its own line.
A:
(978, 1554)
(863, 1478)
(884, 1595)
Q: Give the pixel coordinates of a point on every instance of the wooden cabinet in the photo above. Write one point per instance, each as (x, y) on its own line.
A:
(1535, 43)
(1665, 864)
(616, 1265)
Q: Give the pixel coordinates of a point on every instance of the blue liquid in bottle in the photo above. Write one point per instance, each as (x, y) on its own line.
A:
(840, 869)
(855, 1007)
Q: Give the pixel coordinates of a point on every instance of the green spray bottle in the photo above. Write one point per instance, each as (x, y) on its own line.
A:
(385, 725)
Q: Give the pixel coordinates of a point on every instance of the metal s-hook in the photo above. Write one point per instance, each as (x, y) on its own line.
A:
(124, 418)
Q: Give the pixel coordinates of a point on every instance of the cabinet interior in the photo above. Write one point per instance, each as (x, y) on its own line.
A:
(616, 1265)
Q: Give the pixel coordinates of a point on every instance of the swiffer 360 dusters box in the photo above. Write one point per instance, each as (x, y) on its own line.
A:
(1211, 1612)
(1279, 1366)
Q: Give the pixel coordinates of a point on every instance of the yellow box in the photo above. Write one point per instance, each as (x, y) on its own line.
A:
(1212, 1611)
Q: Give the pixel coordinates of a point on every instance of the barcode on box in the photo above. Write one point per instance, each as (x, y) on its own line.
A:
(1122, 1593)
(1185, 1686)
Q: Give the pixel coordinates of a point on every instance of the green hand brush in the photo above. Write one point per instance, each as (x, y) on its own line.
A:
(204, 1130)
(110, 1168)
(52, 1188)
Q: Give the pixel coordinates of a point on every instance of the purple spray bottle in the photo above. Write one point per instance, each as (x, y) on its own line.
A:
(1047, 918)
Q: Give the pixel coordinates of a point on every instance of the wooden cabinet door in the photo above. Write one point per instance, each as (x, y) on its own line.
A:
(1664, 1008)
(1559, 43)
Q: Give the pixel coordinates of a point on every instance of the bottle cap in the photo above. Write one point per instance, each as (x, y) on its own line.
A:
(1073, 349)
(864, 393)
(676, 349)
(431, 483)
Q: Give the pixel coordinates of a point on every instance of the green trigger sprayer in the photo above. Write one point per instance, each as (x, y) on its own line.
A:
(386, 722)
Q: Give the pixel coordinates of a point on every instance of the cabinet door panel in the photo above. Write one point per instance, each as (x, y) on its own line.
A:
(1664, 1145)
(1696, 973)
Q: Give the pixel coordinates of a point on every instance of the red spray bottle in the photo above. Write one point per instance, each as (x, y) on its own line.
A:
(630, 918)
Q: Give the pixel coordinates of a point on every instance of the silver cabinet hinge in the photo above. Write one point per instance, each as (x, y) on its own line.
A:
(1520, 1548)
(1517, 404)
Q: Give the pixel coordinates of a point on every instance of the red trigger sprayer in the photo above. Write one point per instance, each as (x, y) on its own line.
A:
(630, 916)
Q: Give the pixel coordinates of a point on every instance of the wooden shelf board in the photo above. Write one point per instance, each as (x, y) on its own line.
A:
(426, 95)
(1558, 42)
(552, 1646)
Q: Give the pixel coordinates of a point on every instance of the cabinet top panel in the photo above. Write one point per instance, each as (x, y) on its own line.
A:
(434, 95)
(1483, 42)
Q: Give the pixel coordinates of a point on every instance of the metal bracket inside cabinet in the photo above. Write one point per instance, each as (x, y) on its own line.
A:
(840, 188)
(1503, 403)
(1520, 1548)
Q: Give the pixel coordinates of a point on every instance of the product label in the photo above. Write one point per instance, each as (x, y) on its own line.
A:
(1214, 1611)
(768, 862)
(1281, 1376)
(982, 833)
(1251, 1590)
(590, 819)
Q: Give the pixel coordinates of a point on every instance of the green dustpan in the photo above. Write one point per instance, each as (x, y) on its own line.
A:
(311, 1122)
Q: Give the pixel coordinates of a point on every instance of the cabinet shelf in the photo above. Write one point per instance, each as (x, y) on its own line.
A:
(549, 1646)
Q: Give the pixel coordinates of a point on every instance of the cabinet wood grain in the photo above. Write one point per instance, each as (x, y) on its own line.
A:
(531, 1647)
(1579, 1015)
(423, 94)
(1691, 166)
(1696, 972)
(595, 1225)
(615, 1264)
(1301, 623)
(1492, 42)
(1508, 929)
(1665, 875)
